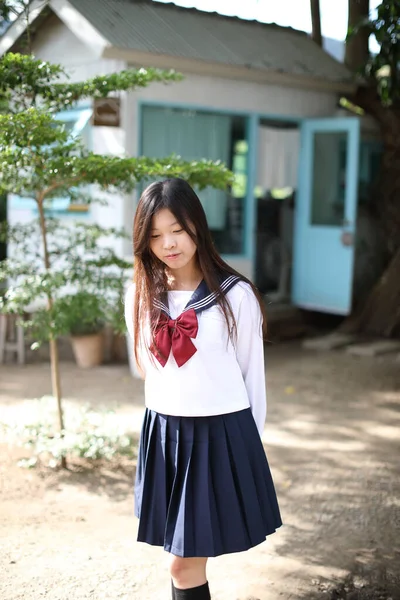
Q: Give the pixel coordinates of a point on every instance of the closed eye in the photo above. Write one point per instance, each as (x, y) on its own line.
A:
(155, 236)
(178, 231)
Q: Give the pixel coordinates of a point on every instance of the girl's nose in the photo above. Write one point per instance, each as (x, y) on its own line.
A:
(169, 243)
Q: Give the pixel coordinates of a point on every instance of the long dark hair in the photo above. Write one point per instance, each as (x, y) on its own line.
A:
(150, 277)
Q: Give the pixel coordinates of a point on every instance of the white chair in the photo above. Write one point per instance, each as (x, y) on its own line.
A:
(12, 338)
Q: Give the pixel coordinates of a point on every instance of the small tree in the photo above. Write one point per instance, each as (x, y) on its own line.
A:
(40, 160)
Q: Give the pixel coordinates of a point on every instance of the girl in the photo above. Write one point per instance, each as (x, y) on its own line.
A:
(203, 486)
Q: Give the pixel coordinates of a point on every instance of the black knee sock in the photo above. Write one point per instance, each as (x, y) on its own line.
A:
(201, 592)
(173, 590)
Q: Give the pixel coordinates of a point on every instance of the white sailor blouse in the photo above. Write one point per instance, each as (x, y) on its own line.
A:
(197, 370)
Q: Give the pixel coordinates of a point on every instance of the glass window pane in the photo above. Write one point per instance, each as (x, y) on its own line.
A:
(329, 178)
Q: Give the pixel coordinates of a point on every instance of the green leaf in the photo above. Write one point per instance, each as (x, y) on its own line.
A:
(26, 81)
(383, 69)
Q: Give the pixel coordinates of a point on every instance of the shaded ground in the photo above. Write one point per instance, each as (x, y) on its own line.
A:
(332, 440)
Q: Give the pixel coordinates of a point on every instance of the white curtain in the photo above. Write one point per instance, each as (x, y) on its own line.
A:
(278, 158)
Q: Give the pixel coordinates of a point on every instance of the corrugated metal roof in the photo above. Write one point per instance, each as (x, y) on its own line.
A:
(167, 29)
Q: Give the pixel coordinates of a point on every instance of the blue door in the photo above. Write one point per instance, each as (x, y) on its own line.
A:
(326, 209)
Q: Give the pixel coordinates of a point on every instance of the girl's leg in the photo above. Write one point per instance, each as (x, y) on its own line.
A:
(189, 577)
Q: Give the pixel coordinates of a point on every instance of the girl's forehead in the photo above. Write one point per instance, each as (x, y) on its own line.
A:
(163, 218)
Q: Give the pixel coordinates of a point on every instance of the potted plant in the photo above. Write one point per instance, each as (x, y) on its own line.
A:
(83, 315)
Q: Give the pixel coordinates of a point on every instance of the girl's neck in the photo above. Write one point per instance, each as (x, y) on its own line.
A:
(184, 281)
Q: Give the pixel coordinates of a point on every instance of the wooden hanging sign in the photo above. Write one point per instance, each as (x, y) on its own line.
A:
(106, 112)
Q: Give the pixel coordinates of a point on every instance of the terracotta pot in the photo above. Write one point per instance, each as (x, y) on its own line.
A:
(88, 350)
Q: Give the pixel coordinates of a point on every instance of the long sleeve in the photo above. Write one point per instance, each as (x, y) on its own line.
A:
(250, 355)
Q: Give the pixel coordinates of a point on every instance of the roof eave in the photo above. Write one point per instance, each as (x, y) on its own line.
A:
(19, 26)
(214, 69)
(81, 27)
(71, 17)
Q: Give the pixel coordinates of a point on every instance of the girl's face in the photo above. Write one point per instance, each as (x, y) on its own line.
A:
(170, 243)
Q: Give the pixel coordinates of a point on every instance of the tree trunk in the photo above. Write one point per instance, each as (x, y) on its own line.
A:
(357, 51)
(316, 22)
(3, 221)
(54, 358)
(380, 314)
(389, 193)
(386, 198)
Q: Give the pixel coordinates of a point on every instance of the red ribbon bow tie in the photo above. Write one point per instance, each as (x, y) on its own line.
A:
(175, 334)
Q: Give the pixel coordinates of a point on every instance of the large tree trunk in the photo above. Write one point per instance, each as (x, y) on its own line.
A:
(380, 313)
(357, 52)
(316, 22)
(389, 194)
(386, 199)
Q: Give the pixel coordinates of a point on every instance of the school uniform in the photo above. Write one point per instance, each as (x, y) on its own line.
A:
(203, 485)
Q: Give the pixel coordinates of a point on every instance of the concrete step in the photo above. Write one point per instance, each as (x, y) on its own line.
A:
(332, 341)
(374, 348)
(284, 321)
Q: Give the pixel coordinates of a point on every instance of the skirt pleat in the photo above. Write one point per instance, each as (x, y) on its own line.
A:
(203, 485)
(151, 501)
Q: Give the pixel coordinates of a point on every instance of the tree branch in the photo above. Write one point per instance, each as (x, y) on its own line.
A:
(357, 50)
(58, 184)
(316, 22)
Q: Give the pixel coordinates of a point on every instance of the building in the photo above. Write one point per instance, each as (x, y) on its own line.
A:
(262, 98)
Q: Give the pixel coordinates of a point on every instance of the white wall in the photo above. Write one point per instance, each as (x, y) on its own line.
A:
(56, 43)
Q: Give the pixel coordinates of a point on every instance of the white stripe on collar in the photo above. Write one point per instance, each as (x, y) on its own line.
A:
(205, 302)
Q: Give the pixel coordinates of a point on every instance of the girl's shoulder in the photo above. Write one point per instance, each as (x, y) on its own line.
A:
(245, 304)
(241, 292)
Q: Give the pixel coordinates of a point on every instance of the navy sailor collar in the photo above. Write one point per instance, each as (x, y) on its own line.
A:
(202, 298)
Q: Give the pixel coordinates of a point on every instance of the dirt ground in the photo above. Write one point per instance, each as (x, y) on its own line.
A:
(333, 443)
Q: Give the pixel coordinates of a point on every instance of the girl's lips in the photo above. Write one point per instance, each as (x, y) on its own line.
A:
(171, 256)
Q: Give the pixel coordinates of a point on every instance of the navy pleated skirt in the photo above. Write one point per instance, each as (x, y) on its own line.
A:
(203, 485)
